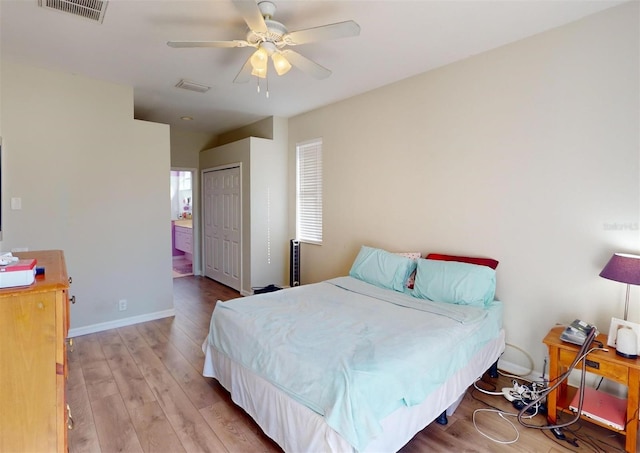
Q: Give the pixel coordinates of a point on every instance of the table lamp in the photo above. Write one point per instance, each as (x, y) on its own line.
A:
(624, 268)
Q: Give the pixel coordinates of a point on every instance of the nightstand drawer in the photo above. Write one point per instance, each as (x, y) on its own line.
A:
(595, 364)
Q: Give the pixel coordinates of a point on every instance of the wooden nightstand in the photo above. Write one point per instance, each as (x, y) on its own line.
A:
(607, 364)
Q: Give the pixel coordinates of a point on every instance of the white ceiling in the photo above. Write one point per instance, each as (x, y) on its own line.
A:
(398, 39)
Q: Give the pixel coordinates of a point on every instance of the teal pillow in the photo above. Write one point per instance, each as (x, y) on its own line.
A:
(382, 268)
(455, 282)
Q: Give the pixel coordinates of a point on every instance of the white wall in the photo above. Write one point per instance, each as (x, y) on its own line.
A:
(528, 154)
(269, 208)
(94, 183)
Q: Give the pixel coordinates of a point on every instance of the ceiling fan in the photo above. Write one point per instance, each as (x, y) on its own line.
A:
(271, 38)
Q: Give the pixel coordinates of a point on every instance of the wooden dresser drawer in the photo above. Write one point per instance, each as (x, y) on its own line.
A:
(596, 365)
(33, 326)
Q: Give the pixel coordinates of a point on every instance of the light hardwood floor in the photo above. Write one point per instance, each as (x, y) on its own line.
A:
(140, 389)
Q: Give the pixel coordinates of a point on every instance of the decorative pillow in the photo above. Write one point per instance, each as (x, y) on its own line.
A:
(464, 259)
(455, 282)
(413, 256)
(382, 268)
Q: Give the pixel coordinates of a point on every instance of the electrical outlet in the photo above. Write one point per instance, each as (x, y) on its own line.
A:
(122, 304)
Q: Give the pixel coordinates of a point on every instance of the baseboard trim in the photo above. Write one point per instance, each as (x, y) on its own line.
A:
(86, 330)
(517, 370)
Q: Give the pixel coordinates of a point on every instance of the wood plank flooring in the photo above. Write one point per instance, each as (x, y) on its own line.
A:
(140, 389)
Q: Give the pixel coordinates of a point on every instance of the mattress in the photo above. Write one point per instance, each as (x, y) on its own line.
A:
(380, 344)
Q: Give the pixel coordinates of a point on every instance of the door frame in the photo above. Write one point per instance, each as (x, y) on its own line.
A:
(201, 222)
(195, 216)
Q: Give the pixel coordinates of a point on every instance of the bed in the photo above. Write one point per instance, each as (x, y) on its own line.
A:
(361, 362)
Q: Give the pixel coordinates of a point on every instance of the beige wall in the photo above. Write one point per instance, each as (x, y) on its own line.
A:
(262, 129)
(186, 146)
(94, 182)
(528, 154)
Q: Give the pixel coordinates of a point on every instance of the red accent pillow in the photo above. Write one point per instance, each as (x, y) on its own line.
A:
(464, 259)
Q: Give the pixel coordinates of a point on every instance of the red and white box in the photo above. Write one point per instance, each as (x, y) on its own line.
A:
(20, 273)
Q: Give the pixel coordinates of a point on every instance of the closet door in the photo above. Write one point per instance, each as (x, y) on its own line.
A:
(222, 235)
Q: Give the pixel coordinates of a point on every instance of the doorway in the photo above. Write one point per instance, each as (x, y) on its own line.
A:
(182, 184)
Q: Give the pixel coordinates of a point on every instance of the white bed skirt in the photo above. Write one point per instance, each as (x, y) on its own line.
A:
(298, 429)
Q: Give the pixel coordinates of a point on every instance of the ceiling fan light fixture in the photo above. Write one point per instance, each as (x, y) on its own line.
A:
(271, 38)
(280, 63)
(259, 72)
(259, 59)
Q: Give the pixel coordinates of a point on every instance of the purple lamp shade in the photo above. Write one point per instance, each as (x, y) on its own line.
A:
(623, 268)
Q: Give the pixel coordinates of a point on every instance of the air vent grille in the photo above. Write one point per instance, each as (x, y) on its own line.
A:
(89, 9)
(192, 86)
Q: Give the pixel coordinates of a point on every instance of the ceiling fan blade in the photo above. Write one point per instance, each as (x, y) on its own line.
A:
(251, 14)
(303, 63)
(183, 44)
(245, 73)
(324, 32)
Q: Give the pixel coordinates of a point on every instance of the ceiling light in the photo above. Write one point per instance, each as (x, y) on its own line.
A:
(259, 72)
(259, 59)
(186, 118)
(281, 64)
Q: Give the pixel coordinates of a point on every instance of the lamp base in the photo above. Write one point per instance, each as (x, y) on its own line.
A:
(627, 343)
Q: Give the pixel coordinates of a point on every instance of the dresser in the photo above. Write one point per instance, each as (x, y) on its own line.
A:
(34, 322)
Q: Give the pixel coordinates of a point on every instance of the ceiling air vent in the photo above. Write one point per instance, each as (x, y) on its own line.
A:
(89, 9)
(192, 86)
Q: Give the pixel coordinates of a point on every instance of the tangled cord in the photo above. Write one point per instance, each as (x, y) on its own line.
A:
(501, 413)
(586, 440)
(584, 351)
(535, 398)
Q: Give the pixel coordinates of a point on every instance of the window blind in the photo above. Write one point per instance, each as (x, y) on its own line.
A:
(309, 191)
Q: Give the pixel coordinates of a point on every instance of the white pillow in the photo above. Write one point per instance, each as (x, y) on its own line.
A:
(415, 256)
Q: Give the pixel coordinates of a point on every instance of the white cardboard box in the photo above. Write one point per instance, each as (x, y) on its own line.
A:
(20, 273)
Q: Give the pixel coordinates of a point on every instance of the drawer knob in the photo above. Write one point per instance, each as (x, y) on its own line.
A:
(69, 418)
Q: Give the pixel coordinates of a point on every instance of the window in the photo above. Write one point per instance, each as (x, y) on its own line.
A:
(309, 191)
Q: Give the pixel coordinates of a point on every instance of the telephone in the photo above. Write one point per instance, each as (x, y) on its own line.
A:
(577, 332)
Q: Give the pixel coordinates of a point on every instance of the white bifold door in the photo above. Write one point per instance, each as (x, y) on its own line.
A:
(222, 235)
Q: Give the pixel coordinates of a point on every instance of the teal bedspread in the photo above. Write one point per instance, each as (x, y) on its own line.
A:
(350, 351)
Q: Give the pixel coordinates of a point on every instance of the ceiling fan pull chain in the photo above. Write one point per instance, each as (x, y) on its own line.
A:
(267, 80)
(258, 79)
